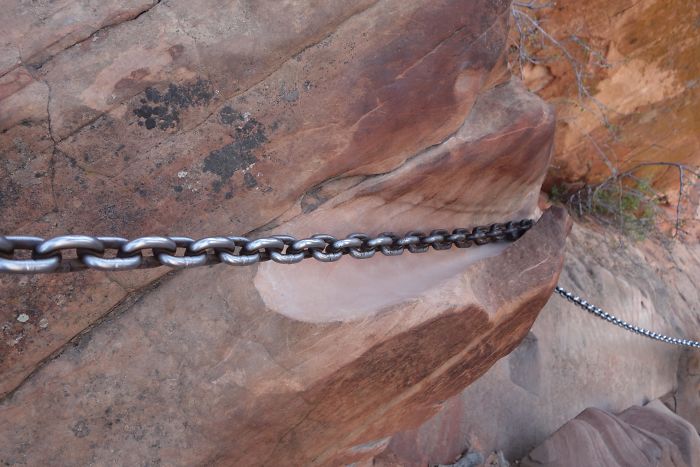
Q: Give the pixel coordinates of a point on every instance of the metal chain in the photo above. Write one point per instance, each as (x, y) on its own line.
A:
(623, 324)
(49, 256)
(77, 252)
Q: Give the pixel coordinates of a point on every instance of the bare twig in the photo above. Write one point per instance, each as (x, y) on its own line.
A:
(623, 199)
(681, 185)
(645, 197)
(533, 5)
(577, 67)
(601, 61)
(601, 153)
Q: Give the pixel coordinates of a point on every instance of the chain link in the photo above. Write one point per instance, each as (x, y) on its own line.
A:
(623, 324)
(32, 255)
(48, 256)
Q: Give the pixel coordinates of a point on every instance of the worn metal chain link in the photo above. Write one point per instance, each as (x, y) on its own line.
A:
(77, 252)
(118, 254)
(623, 324)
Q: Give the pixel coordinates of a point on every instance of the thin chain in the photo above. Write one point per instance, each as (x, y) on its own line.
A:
(623, 324)
(32, 255)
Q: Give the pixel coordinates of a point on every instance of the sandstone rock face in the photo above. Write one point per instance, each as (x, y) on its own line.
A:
(642, 436)
(292, 117)
(208, 130)
(204, 371)
(685, 399)
(571, 360)
(649, 89)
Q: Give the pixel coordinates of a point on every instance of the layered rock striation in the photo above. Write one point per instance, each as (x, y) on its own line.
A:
(188, 118)
(645, 436)
(571, 360)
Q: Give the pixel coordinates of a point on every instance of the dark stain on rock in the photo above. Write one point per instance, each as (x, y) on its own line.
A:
(229, 116)
(176, 51)
(250, 180)
(162, 110)
(80, 429)
(289, 95)
(81, 342)
(312, 200)
(238, 154)
(137, 432)
(178, 188)
(109, 211)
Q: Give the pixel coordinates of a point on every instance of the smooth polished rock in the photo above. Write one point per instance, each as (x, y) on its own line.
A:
(571, 360)
(641, 436)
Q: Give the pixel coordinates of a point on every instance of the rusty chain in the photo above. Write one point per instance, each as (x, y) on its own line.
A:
(78, 252)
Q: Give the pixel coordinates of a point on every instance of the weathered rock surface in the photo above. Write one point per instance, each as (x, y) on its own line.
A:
(232, 116)
(685, 399)
(641, 436)
(206, 370)
(296, 117)
(650, 90)
(571, 360)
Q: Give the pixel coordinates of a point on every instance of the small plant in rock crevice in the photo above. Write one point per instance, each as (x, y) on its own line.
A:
(557, 194)
(630, 204)
(625, 201)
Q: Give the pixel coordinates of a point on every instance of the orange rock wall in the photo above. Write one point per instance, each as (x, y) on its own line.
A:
(651, 90)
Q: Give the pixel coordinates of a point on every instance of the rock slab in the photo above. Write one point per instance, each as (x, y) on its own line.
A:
(571, 360)
(258, 118)
(641, 436)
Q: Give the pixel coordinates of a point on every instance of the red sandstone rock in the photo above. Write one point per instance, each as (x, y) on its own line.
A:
(244, 130)
(297, 118)
(650, 90)
(685, 399)
(571, 360)
(641, 436)
(209, 368)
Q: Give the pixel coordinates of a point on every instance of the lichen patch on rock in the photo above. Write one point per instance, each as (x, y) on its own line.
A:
(248, 136)
(162, 109)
